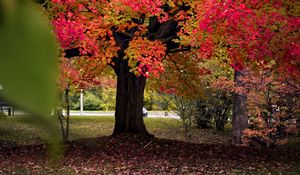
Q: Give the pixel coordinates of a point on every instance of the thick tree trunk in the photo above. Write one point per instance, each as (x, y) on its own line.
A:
(129, 102)
(240, 116)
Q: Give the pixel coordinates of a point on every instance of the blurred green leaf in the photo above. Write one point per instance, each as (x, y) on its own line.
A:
(28, 68)
(28, 58)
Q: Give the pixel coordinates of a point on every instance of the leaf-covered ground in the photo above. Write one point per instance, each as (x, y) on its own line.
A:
(93, 151)
(129, 154)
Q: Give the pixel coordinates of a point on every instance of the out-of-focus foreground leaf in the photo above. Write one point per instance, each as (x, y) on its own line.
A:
(28, 67)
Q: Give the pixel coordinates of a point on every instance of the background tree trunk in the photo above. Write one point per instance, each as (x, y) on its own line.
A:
(129, 102)
(240, 116)
(67, 117)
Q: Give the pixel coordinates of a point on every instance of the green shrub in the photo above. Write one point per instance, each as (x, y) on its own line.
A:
(91, 101)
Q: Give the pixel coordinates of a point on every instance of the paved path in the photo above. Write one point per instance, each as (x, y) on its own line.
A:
(152, 114)
(112, 113)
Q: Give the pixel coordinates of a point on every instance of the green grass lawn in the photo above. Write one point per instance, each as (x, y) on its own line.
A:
(19, 130)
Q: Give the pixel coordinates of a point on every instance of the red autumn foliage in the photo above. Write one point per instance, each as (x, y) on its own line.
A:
(141, 36)
(254, 32)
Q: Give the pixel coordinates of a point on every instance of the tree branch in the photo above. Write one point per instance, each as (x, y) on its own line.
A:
(165, 40)
(176, 50)
(128, 34)
(74, 52)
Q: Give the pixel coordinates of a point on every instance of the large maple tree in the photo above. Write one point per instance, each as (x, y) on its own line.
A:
(135, 38)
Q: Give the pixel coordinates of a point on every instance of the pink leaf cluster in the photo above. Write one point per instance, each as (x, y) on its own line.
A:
(69, 32)
(251, 31)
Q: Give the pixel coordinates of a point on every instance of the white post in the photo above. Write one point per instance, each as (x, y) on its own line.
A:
(81, 101)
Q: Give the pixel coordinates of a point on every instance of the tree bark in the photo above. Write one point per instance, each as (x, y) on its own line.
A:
(129, 102)
(60, 117)
(240, 116)
(67, 117)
